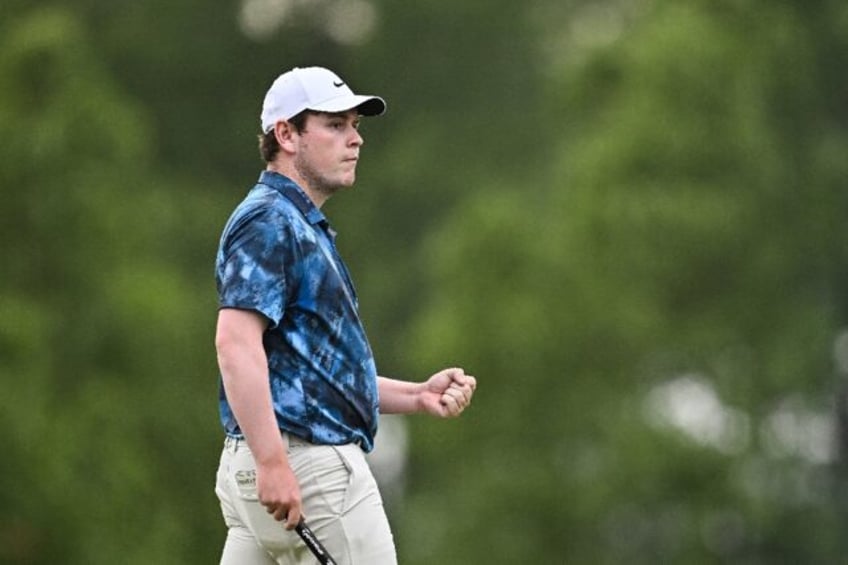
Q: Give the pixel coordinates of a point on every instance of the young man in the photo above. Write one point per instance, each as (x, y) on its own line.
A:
(300, 395)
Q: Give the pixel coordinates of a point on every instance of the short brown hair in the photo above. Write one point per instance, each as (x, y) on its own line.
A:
(268, 146)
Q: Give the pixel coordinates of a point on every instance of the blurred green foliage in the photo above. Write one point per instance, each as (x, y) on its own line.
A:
(626, 218)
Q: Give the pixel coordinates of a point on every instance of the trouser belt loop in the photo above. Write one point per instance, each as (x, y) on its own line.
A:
(232, 443)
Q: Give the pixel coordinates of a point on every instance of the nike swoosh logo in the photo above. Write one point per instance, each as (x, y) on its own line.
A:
(338, 84)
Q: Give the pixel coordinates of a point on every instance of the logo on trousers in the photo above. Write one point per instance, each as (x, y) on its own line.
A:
(246, 479)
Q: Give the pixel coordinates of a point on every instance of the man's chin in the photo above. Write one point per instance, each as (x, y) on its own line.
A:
(330, 189)
(347, 182)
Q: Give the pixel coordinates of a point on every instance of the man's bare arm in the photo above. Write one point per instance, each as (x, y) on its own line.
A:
(244, 372)
(445, 394)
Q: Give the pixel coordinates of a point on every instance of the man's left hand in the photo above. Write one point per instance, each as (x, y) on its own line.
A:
(447, 393)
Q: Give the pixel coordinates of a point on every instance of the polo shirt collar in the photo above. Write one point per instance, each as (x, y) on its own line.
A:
(295, 194)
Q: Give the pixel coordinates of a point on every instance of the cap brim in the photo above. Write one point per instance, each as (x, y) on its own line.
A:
(365, 105)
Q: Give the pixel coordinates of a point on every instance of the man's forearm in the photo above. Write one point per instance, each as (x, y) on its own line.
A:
(398, 397)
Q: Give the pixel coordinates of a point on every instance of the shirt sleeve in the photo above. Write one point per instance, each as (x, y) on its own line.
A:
(253, 267)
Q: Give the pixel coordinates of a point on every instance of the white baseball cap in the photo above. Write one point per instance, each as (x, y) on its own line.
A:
(313, 88)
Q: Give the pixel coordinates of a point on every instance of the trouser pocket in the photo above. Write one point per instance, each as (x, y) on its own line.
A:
(243, 496)
(325, 479)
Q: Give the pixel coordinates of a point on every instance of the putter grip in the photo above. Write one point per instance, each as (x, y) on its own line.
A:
(315, 546)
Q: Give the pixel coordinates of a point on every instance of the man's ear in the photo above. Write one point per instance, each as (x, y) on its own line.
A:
(286, 136)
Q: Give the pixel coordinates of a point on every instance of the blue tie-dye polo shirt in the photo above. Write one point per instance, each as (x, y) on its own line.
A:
(277, 256)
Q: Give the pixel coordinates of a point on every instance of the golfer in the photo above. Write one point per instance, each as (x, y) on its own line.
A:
(300, 396)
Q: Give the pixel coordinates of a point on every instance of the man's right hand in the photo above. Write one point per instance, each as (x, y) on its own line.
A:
(279, 492)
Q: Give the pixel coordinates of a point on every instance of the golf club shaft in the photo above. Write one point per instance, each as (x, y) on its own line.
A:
(315, 546)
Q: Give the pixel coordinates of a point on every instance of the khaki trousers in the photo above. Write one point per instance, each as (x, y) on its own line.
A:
(341, 503)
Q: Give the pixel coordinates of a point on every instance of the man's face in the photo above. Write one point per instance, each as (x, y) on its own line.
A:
(328, 150)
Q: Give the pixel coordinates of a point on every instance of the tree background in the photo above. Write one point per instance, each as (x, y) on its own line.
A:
(626, 218)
